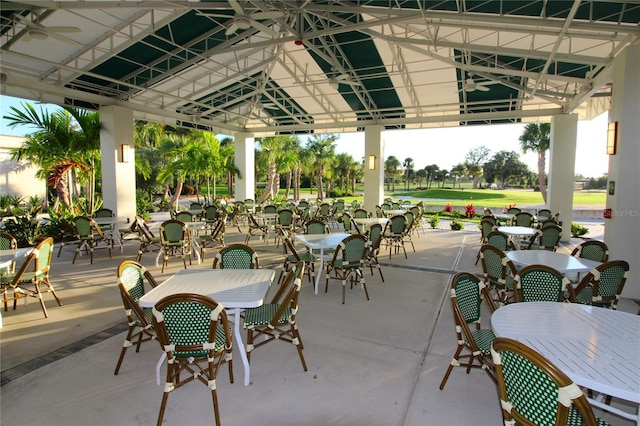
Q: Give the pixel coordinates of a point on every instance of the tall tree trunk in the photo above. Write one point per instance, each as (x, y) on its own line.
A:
(175, 199)
(289, 178)
(269, 189)
(541, 177)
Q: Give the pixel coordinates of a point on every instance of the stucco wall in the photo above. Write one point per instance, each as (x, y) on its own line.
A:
(18, 179)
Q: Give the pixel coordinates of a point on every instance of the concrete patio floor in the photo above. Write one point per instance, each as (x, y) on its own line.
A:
(376, 362)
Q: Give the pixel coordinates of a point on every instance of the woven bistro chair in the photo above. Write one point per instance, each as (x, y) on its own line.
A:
(539, 283)
(360, 213)
(276, 320)
(213, 239)
(32, 277)
(533, 391)
(185, 216)
(602, 286)
(133, 281)
(90, 235)
(316, 226)
(104, 212)
(523, 219)
(148, 240)
(347, 263)
(292, 257)
(394, 234)
(194, 332)
(286, 223)
(467, 293)
(547, 238)
(373, 248)
(257, 230)
(175, 240)
(592, 250)
(498, 273)
(486, 227)
(236, 256)
(408, 229)
(68, 234)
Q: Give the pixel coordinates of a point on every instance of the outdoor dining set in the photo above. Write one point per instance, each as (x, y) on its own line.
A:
(569, 329)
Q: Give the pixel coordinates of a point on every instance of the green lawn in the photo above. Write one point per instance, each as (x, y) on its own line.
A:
(456, 197)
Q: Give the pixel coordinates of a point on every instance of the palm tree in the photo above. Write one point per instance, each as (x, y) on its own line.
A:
(408, 170)
(175, 170)
(65, 145)
(322, 148)
(277, 158)
(432, 171)
(536, 137)
(391, 167)
(458, 172)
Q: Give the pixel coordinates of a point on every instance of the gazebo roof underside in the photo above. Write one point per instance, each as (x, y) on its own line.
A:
(274, 67)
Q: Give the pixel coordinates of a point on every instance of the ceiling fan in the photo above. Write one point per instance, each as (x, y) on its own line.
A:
(244, 21)
(35, 30)
(339, 79)
(470, 85)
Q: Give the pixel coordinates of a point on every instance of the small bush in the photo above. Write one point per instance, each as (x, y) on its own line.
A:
(578, 230)
(456, 225)
(434, 221)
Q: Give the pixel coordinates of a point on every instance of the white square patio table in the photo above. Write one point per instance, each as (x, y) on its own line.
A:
(564, 263)
(235, 289)
(8, 256)
(194, 227)
(597, 348)
(321, 242)
(368, 221)
(518, 231)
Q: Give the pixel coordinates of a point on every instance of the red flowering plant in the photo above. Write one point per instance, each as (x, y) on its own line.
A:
(469, 211)
(510, 206)
(448, 208)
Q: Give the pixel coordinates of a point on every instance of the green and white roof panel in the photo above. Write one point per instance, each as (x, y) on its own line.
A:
(318, 66)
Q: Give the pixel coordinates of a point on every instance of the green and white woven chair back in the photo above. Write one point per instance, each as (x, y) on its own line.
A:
(303, 204)
(467, 293)
(523, 219)
(593, 250)
(316, 227)
(103, 213)
(211, 213)
(498, 239)
(270, 208)
(45, 249)
(397, 224)
(189, 324)
(353, 250)
(612, 277)
(173, 232)
(379, 212)
(493, 264)
(489, 218)
(132, 280)
(285, 217)
(531, 392)
(537, 283)
(549, 237)
(236, 258)
(324, 209)
(185, 217)
(84, 227)
(486, 227)
(513, 210)
(410, 218)
(544, 213)
(375, 236)
(360, 214)
(7, 242)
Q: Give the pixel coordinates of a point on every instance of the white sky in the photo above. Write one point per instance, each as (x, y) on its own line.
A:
(445, 147)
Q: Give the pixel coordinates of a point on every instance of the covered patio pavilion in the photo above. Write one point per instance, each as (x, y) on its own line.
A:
(252, 68)
(376, 362)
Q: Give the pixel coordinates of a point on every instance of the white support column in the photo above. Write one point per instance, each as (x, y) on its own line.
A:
(373, 167)
(564, 133)
(118, 161)
(245, 162)
(622, 231)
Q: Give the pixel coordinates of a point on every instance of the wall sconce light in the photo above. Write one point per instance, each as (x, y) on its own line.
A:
(371, 162)
(123, 153)
(612, 138)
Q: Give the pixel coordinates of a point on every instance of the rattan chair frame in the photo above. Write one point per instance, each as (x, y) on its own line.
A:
(224, 258)
(604, 284)
(467, 294)
(138, 319)
(534, 391)
(199, 356)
